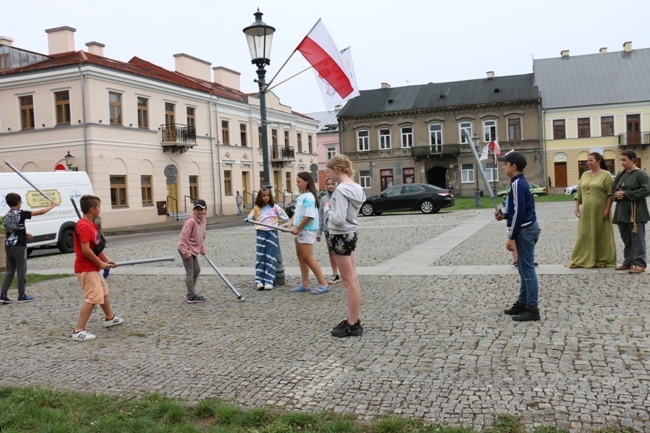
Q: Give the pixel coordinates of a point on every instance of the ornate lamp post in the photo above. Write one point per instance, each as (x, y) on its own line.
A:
(68, 161)
(477, 194)
(259, 36)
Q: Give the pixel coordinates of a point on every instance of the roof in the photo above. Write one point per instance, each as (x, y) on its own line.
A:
(135, 66)
(594, 79)
(327, 122)
(436, 96)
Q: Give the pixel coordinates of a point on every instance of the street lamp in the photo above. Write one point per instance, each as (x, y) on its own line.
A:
(477, 194)
(259, 37)
(68, 161)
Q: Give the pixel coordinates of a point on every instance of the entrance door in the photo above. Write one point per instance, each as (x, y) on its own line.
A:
(171, 176)
(437, 176)
(386, 178)
(633, 129)
(244, 182)
(277, 186)
(560, 175)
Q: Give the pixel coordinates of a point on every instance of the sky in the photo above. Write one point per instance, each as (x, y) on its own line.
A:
(404, 42)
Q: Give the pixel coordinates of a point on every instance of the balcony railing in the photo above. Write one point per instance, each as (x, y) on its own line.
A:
(634, 139)
(177, 138)
(441, 149)
(282, 154)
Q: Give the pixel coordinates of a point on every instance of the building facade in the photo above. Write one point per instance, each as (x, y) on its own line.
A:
(414, 134)
(151, 140)
(593, 103)
(327, 139)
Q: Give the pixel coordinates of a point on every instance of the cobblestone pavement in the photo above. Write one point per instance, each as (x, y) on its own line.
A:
(436, 345)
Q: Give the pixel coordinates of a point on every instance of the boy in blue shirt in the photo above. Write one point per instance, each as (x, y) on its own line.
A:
(523, 233)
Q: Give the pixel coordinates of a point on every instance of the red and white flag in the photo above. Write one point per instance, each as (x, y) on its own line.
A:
(330, 98)
(494, 145)
(320, 51)
(484, 152)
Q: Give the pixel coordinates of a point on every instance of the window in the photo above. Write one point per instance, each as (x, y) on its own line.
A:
(5, 62)
(362, 141)
(170, 114)
(514, 129)
(259, 136)
(310, 143)
(467, 173)
(584, 127)
(407, 137)
(287, 140)
(331, 151)
(62, 102)
(274, 137)
(490, 130)
(364, 179)
(582, 167)
(227, 182)
(607, 126)
(287, 181)
(26, 112)
(409, 175)
(118, 191)
(146, 186)
(465, 126)
(299, 135)
(143, 113)
(242, 135)
(491, 171)
(225, 132)
(435, 137)
(115, 108)
(384, 139)
(194, 187)
(559, 130)
(191, 120)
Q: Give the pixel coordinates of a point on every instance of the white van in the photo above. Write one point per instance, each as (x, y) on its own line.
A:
(55, 228)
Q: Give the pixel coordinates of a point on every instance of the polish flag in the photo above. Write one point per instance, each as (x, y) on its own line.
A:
(495, 148)
(484, 152)
(330, 98)
(320, 51)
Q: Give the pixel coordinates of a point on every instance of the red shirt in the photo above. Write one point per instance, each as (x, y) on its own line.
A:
(86, 232)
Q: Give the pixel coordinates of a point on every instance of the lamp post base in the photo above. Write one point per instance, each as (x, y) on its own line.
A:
(279, 270)
(477, 197)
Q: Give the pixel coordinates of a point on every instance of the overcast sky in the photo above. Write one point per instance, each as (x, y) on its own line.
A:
(400, 42)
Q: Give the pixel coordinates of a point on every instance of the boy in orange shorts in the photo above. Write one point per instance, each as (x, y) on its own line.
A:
(89, 260)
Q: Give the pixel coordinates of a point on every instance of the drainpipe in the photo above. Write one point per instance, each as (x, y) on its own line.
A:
(83, 117)
(214, 191)
(541, 116)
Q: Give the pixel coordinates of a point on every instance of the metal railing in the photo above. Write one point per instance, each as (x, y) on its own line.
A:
(171, 208)
(253, 195)
(185, 197)
(283, 153)
(634, 139)
(176, 133)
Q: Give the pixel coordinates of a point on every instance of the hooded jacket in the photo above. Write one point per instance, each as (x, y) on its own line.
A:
(344, 208)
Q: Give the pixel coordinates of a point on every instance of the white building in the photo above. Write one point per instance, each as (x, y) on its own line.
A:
(148, 137)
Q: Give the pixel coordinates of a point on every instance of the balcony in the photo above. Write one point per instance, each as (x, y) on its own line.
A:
(632, 139)
(282, 155)
(177, 138)
(442, 149)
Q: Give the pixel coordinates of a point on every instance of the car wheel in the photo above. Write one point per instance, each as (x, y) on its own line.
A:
(367, 209)
(66, 243)
(427, 206)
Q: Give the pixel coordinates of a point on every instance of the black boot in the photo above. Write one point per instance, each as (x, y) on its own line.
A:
(531, 314)
(516, 308)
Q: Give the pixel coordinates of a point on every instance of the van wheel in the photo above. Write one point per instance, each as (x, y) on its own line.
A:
(66, 243)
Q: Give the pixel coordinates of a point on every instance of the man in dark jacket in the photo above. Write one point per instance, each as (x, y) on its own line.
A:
(523, 233)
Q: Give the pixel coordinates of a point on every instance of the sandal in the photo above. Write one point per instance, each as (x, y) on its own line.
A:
(320, 290)
(300, 289)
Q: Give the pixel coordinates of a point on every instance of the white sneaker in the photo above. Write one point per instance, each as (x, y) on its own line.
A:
(268, 286)
(114, 321)
(259, 286)
(82, 335)
(334, 279)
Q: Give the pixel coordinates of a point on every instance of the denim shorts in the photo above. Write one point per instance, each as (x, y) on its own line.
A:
(343, 245)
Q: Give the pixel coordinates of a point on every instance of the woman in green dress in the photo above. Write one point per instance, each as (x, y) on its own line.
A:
(631, 214)
(595, 246)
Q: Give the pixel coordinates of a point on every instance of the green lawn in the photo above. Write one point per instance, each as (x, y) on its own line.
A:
(463, 203)
(33, 278)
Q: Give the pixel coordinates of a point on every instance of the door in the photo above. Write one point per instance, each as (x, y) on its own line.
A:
(633, 129)
(410, 197)
(171, 176)
(389, 199)
(170, 122)
(386, 178)
(560, 175)
(277, 187)
(244, 191)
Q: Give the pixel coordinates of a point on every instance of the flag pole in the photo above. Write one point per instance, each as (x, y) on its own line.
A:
(480, 168)
(293, 76)
(281, 67)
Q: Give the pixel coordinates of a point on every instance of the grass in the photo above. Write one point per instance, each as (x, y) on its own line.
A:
(36, 278)
(38, 410)
(464, 203)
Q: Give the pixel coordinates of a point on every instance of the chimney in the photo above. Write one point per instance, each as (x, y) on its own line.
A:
(627, 47)
(4, 40)
(96, 48)
(385, 86)
(60, 39)
(192, 66)
(490, 75)
(226, 77)
(603, 50)
(564, 54)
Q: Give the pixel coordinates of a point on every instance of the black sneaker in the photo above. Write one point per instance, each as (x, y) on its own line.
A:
(195, 299)
(516, 308)
(344, 329)
(530, 315)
